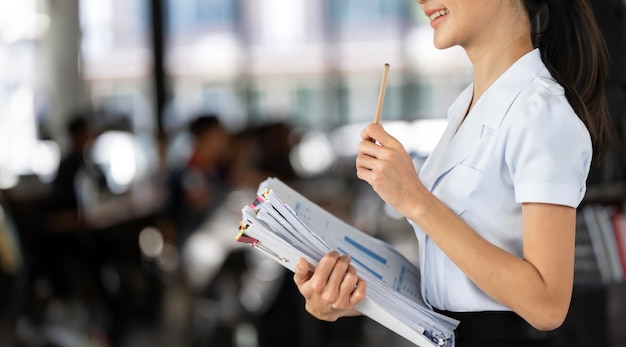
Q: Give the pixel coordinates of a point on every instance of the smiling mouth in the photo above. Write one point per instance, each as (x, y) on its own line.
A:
(438, 14)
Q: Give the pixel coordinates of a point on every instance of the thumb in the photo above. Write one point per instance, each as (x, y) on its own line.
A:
(302, 273)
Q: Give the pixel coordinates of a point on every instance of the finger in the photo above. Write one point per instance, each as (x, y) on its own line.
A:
(348, 286)
(369, 148)
(341, 267)
(302, 273)
(364, 174)
(327, 263)
(324, 268)
(370, 170)
(331, 292)
(366, 162)
(375, 133)
(359, 293)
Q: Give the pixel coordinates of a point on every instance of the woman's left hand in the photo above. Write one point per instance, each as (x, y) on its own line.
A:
(333, 290)
(383, 162)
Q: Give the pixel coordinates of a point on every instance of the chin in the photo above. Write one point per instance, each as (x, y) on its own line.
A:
(441, 42)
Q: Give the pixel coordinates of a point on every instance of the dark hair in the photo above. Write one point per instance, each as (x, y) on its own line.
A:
(77, 125)
(574, 51)
(202, 123)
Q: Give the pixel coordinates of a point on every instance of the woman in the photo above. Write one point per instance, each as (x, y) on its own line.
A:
(494, 206)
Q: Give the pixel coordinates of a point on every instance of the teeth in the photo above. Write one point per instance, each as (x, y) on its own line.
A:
(438, 14)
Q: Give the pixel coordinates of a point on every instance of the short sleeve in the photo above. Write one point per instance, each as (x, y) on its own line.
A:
(548, 151)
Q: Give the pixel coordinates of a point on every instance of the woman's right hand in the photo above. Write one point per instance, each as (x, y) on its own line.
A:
(333, 289)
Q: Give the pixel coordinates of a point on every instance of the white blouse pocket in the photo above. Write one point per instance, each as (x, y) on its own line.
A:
(456, 186)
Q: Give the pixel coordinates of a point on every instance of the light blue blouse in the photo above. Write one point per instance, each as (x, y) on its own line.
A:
(522, 142)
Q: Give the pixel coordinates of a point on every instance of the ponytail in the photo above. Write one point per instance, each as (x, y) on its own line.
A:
(573, 49)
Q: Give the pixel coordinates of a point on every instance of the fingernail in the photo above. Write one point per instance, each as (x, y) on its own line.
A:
(346, 257)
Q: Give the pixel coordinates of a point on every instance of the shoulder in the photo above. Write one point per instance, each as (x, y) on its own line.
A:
(548, 148)
(546, 141)
(541, 120)
(543, 109)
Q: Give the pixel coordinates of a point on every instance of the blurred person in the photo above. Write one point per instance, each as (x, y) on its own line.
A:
(259, 152)
(215, 267)
(200, 184)
(64, 255)
(65, 208)
(494, 206)
(68, 245)
(275, 141)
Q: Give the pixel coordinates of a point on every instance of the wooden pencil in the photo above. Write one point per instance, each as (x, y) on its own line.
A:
(381, 94)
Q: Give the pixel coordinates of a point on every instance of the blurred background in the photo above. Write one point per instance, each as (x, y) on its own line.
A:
(132, 132)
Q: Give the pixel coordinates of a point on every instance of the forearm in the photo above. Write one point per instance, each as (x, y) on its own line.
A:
(517, 283)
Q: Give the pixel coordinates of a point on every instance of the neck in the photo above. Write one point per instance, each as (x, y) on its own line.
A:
(490, 67)
(492, 55)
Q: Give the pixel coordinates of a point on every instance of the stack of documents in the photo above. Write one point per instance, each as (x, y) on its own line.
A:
(286, 226)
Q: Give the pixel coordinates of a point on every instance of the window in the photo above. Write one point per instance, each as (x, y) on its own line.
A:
(23, 24)
(364, 12)
(189, 17)
(117, 62)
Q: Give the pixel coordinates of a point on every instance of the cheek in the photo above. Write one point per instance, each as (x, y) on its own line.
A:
(453, 30)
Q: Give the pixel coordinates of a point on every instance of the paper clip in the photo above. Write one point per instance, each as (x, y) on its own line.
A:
(257, 202)
(257, 244)
(265, 193)
(260, 199)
